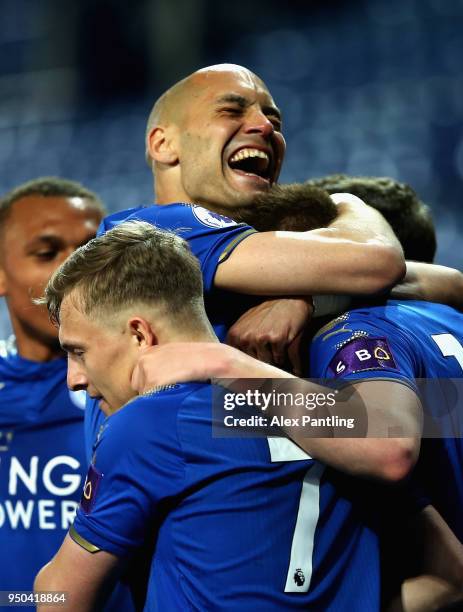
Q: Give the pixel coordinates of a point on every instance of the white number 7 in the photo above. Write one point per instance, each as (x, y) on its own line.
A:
(300, 563)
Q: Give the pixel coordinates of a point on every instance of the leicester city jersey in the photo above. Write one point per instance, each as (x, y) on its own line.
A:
(41, 464)
(407, 341)
(212, 238)
(236, 523)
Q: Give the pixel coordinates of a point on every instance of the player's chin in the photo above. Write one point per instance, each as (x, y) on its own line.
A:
(245, 196)
(248, 183)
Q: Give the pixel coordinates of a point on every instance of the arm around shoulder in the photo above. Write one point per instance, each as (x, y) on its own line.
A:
(310, 263)
(376, 407)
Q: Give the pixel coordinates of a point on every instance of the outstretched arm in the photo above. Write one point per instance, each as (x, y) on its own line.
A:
(439, 563)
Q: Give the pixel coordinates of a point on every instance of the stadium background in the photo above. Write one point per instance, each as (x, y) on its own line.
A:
(366, 87)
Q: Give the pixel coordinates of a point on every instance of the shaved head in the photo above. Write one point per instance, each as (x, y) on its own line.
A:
(170, 107)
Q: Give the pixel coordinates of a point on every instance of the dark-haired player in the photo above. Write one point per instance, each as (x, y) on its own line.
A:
(425, 341)
(42, 456)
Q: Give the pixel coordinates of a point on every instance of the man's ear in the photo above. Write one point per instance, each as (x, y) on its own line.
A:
(142, 333)
(161, 147)
(3, 290)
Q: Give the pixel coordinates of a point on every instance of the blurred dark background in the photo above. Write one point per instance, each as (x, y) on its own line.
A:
(366, 87)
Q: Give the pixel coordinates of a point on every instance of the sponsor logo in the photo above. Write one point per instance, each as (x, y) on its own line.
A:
(90, 489)
(361, 354)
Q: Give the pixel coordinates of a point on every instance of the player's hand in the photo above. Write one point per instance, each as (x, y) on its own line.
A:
(174, 363)
(272, 330)
(178, 362)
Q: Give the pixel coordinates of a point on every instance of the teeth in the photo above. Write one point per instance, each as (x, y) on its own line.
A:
(245, 153)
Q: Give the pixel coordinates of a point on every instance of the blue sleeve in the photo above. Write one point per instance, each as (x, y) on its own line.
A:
(138, 468)
(359, 345)
(212, 237)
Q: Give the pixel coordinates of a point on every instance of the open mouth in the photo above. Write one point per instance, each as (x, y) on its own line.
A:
(253, 163)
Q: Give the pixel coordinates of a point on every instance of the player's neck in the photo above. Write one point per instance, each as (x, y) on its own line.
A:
(167, 191)
(36, 349)
(168, 194)
(203, 335)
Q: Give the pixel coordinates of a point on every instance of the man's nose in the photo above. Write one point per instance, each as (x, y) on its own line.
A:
(258, 123)
(76, 378)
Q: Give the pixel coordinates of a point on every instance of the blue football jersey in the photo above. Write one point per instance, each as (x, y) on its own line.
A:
(408, 341)
(42, 464)
(236, 523)
(212, 238)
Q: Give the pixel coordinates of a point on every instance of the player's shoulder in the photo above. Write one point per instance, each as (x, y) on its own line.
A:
(159, 407)
(366, 320)
(412, 320)
(361, 340)
(174, 214)
(184, 216)
(147, 426)
(432, 311)
(120, 216)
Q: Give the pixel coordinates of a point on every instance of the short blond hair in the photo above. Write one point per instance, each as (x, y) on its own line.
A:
(132, 263)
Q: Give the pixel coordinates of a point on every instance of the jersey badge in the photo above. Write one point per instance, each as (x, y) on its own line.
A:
(211, 219)
(359, 354)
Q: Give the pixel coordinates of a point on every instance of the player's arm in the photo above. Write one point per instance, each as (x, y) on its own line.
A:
(386, 404)
(267, 331)
(439, 563)
(431, 283)
(357, 254)
(379, 409)
(85, 577)
(119, 505)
